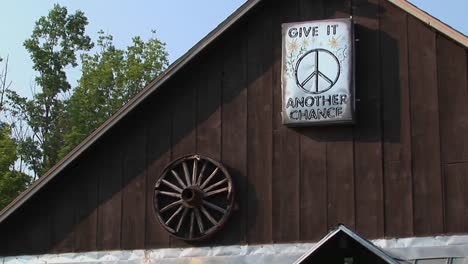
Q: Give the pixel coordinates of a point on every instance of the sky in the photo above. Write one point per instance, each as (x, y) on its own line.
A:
(179, 23)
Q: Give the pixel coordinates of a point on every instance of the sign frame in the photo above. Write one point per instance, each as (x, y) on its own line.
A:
(293, 111)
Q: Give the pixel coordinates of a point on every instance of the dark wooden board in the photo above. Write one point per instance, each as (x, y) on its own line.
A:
(158, 156)
(62, 217)
(313, 177)
(11, 236)
(339, 153)
(86, 197)
(234, 130)
(368, 130)
(184, 107)
(208, 99)
(5, 243)
(340, 179)
(184, 113)
(396, 118)
(453, 112)
(457, 200)
(427, 185)
(4, 248)
(337, 9)
(109, 222)
(286, 169)
(453, 98)
(33, 237)
(259, 127)
(208, 104)
(134, 182)
(286, 148)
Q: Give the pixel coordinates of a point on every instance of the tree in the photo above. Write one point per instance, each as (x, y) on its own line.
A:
(12, 182)
(110, 78)
(53, 46)
(4, 86)
(57, 122)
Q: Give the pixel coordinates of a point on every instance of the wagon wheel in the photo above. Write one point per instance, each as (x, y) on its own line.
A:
(193, 197)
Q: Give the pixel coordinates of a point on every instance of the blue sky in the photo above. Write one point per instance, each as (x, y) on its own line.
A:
(179, 23)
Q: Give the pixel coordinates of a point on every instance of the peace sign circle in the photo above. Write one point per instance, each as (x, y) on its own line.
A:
(317, 71)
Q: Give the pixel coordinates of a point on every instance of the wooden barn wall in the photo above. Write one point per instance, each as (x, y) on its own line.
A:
(402, 170)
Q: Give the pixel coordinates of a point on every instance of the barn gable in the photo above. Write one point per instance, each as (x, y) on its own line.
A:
(381, 177)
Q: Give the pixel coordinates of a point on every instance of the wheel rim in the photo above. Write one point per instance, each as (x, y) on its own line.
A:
(193, 197)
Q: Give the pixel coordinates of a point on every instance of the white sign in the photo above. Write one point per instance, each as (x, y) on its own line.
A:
(317, 75)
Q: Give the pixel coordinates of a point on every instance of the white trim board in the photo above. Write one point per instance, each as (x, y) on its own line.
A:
(405, 249)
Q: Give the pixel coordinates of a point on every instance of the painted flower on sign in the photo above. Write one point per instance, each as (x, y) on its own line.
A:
(333, 42)
(293, 46)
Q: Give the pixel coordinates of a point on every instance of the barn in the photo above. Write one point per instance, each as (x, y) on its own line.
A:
(213, 163)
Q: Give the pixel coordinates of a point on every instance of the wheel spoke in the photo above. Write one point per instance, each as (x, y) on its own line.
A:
(192, 222)
(209, 178)
(173, 187)
(216, 192)
(215, 185)
(215, 207)
(199, 221)
(208, 215)
(184, 214)
(186, 172)
(174, 215)
(200, 176)
(174, 204)
(176, 195)
(194, 171)
(178, 179)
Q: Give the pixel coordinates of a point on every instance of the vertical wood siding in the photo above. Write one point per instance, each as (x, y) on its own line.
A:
(286, 145)
(402, 170)
(396, 122)
(313, 173)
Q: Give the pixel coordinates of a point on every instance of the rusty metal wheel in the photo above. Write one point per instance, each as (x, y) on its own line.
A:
(193, 197)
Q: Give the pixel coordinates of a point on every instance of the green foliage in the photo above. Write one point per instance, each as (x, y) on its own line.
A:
(57, 122)
(48, 125)
(12, 182)
(7, 148)
(4, 85)
(53, 46)
(110, 78)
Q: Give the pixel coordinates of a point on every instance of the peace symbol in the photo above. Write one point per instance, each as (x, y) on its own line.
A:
(317, 71)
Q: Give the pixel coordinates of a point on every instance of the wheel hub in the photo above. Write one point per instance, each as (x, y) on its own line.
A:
(192, 197)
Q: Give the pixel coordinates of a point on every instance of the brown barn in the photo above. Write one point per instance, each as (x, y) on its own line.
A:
(398, 176)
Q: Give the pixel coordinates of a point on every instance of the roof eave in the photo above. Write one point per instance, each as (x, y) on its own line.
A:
(432, 21)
